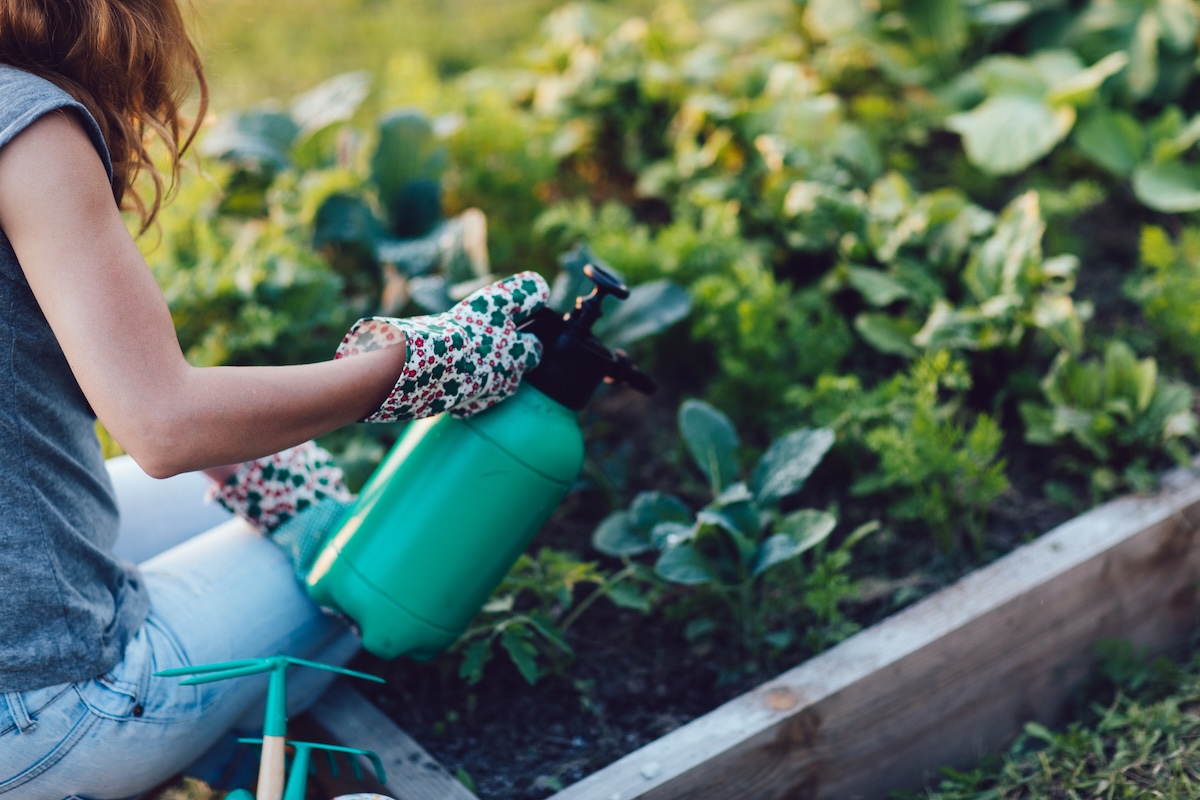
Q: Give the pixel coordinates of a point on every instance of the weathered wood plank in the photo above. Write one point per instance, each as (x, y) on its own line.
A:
(950, 678)
(347, 718)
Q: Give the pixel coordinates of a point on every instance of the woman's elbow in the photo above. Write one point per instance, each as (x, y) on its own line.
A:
(159, 446)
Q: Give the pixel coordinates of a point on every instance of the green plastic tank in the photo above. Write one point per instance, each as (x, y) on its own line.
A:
(456, 501)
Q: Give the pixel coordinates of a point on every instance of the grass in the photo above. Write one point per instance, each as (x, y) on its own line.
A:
(259, 49)
(1138, 738)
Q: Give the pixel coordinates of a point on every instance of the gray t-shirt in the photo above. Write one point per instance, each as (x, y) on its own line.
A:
(67, 605)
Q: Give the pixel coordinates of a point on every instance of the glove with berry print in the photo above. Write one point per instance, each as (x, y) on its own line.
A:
(269, 491)
(463, 360)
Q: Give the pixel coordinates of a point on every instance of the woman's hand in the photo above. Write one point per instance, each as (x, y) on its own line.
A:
(463, 360)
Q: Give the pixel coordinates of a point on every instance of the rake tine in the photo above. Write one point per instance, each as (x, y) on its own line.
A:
(331, 749)
(213, 677)
(331, 668)
(203, 668)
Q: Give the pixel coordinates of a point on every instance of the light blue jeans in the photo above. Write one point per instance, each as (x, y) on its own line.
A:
(217, 594)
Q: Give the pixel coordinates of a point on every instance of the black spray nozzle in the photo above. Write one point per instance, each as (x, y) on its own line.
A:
(588, 309)
(574, 362)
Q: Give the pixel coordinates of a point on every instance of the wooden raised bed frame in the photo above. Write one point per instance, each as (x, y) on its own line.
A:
(951, 678)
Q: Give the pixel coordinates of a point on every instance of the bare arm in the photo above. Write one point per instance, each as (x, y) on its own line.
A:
(114, 326)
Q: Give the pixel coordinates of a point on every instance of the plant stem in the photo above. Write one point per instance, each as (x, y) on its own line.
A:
(600, 590)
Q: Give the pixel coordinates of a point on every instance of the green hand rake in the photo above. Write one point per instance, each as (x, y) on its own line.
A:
(271, 770)
(301, 766)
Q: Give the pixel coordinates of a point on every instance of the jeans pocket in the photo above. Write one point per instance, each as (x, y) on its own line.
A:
(59, 719)
(118, 694)
(135, 688)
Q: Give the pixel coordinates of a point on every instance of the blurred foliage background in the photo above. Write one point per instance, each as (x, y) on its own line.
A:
(258, 49)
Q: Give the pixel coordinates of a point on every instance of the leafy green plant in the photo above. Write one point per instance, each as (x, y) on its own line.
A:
(742, 533)
(913, 442)
(1030, 106)
(1167, 288)
(532, 610)
(1113, 417)
(949, 274)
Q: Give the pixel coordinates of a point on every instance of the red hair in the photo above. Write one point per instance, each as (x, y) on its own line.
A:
(131, 63)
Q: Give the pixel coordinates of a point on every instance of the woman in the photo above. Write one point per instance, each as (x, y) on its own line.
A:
(85, 333)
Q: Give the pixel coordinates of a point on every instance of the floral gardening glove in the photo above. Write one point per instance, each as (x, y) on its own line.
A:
(463, 360)
(271, 490)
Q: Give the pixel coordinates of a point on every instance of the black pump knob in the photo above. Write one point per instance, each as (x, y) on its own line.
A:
(588, 309)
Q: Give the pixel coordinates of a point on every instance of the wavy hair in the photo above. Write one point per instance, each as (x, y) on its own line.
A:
(131, 64)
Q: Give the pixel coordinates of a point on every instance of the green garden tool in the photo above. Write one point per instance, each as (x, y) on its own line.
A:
(301, 762)
(272, 765)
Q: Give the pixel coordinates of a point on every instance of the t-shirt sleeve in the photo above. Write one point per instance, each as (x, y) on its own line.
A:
(25, 97)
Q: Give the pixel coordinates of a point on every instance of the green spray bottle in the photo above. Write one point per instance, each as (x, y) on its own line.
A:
(456, 501)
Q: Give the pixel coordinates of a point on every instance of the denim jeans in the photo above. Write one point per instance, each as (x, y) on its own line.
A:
(224, 594)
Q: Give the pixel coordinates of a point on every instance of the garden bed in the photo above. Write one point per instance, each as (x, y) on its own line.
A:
(948, 679)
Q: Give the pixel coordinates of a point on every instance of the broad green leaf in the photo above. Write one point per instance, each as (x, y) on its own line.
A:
(406, 167)
(876, 287)
(625, 596)
(698, 628)
(830, 19)
(882, 332)
(500, 604)
(799, 532)
(1143, 56)
(775, 550)
(1006, 134)
(650, 308)
(617, 536)
(1057, 315)
(516, 640)
(1001, 13)
(740, 523)
(650, 508)
(1004, 74)
(685, 565)
(808, 526)
(334, 100)
(1056, 66)
(1186, 139)
(475, 655)
(262, 137)
(733, 493)
(788, 462)
(1180, 24)
(1172, 187)
(712, 441)
(345, 220)
(1113, 139)
(942, 25)
(671, 534)
(314, 150)
(1081, 87)
(948, 327)
(996, 266)
(550, 632)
